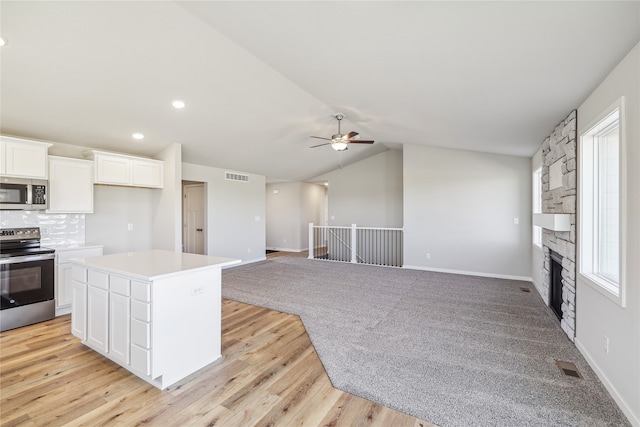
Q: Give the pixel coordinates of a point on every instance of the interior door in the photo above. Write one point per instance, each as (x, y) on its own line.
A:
(193, 217)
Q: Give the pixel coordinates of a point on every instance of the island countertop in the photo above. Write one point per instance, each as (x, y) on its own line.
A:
(154, 264)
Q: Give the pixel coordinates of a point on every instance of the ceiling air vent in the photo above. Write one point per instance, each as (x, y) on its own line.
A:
(230, 176)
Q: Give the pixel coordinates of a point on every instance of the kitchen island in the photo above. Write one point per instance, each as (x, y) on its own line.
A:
(156, 313)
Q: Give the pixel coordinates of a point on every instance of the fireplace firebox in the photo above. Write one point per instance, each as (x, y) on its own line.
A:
(555, 285)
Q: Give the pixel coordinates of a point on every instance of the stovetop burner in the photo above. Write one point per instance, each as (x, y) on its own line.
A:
(24, 252)
(23, 241)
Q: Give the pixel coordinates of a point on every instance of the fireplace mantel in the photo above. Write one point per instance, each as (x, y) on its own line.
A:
(554, 222)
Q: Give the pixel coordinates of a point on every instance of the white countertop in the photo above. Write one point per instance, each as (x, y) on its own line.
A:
(71, 247)
(153, 264)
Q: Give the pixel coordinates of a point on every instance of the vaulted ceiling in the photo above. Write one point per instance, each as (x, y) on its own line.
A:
(259, 78)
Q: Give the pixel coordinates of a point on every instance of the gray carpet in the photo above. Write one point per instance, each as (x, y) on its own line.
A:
(453, 350)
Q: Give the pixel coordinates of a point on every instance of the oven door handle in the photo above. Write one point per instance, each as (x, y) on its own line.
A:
(28, 258)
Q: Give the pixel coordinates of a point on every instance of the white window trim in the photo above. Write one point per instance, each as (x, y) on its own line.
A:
(620, 298)
(533, 204)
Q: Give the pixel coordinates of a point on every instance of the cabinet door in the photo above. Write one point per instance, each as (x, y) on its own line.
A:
(147, 173)
(98, 318)
(3, 157)
(113, 170)
(119, 316)
(70, 185)
(79, 310)
(64, 285)
(22, 158)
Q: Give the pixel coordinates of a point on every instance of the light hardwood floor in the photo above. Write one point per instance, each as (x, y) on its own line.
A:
(269, 375)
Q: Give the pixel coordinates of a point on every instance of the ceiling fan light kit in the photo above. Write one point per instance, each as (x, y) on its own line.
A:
(339, 145)
(340, 141)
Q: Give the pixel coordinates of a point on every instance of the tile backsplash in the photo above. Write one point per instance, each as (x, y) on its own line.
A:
(56, 229)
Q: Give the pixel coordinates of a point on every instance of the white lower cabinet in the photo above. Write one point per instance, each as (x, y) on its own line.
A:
(98, 318)
(119, 317)
(63, 278)
(79, 310)
(161, 329)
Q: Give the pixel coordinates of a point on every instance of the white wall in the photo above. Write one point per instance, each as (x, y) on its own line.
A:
(596, 315)
(113, 209)
(235, 213)
(283, 216)
(537, 257)
(311, 210)
(167, 203)
(290, 207)
(367, 193)
(459, 206)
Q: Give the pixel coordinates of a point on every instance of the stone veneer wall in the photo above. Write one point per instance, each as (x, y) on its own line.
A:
(561, 146)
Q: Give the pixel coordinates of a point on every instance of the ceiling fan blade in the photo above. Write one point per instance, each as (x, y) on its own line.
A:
(320, 145)
(357, 141)
(319, 137)
(351, 135)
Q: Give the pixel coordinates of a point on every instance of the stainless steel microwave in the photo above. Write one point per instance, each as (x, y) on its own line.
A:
(23, 194)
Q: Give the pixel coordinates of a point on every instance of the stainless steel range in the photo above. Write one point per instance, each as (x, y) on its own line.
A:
(26, 278)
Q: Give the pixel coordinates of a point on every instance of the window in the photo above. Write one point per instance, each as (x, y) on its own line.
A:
(601, 191)
(537, 204)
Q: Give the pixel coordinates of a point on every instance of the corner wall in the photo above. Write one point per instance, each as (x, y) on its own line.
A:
(460, 206)
(367, 193)
(167, 202)
(235, 213)
(290, 207)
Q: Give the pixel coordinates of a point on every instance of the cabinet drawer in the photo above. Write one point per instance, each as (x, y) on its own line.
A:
(141, 359)
(79, 274)
(141, 291)
(141, 311)
(98, 279)
(141, 333)
(119, 285)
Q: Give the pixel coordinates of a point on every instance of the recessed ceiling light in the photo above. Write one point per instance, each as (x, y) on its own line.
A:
(178, 104)
(3, 41)
(137, 135)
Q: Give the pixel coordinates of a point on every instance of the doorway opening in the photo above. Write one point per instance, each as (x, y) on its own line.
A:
(194, 224)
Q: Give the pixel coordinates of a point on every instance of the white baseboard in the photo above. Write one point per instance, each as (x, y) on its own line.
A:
(286, 249)
(249, 261)
(469, 273)
(62, 311)
(633, 418)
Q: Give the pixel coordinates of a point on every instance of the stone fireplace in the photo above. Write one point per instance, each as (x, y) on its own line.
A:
(559, 197)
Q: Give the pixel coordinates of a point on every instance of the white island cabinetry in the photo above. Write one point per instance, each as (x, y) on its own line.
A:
(156, 313)
(63, 279)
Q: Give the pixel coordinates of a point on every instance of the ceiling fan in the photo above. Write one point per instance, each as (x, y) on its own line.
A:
(339, 141)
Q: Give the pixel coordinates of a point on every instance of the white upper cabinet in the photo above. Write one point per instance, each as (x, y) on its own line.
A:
(70, 185)
(147, 173)
(114, 170)
(23, 158)
(120, 169)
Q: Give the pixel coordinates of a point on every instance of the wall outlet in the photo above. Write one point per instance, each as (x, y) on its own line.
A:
(284, 240)
(606, 344)
(516, 221)
(428, 255)
(130, 227)
(248, 250)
